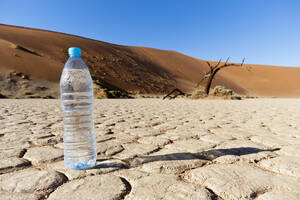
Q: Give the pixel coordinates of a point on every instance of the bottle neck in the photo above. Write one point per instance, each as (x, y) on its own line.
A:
(74, 56)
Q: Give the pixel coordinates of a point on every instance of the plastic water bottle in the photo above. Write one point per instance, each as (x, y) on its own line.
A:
(77, 98)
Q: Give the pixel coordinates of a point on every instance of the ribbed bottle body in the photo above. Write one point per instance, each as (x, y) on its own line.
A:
(77, 101)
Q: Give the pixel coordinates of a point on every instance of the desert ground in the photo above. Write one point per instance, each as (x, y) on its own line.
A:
(156, 149)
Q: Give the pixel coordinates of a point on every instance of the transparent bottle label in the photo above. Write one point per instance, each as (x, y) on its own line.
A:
(78, 79)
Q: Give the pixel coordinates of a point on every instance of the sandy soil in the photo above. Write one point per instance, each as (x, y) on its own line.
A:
(135, 69)
(155, 149)
(16, 85)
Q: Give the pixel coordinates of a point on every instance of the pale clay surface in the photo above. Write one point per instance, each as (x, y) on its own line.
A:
(153, 149)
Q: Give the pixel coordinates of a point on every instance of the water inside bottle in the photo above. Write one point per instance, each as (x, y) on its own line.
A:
(77, 102)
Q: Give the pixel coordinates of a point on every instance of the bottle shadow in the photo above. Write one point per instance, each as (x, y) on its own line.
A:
(208, 155)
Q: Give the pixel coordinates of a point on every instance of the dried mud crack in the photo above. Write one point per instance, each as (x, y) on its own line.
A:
(207, 149)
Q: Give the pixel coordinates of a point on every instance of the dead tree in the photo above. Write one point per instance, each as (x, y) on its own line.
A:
(210, 75)
(176, 93)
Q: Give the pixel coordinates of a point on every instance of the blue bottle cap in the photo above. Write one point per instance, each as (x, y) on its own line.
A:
(74, 52)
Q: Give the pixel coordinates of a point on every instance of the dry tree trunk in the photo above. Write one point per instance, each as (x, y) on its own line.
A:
(213, 71)
(209, 81)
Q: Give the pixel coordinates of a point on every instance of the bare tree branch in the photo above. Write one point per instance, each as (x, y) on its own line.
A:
(233, 64)
(229, 65)
(176, 93)
(205, 77)
(243, 62)
(211, 68)
(227, 61)
(215, 67)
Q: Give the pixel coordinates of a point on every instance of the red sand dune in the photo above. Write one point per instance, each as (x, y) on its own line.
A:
(136, 69)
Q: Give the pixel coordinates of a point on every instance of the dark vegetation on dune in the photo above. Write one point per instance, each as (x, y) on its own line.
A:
(26, 50)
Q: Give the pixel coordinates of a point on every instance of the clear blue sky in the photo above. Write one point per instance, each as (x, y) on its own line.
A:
(263, 31)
